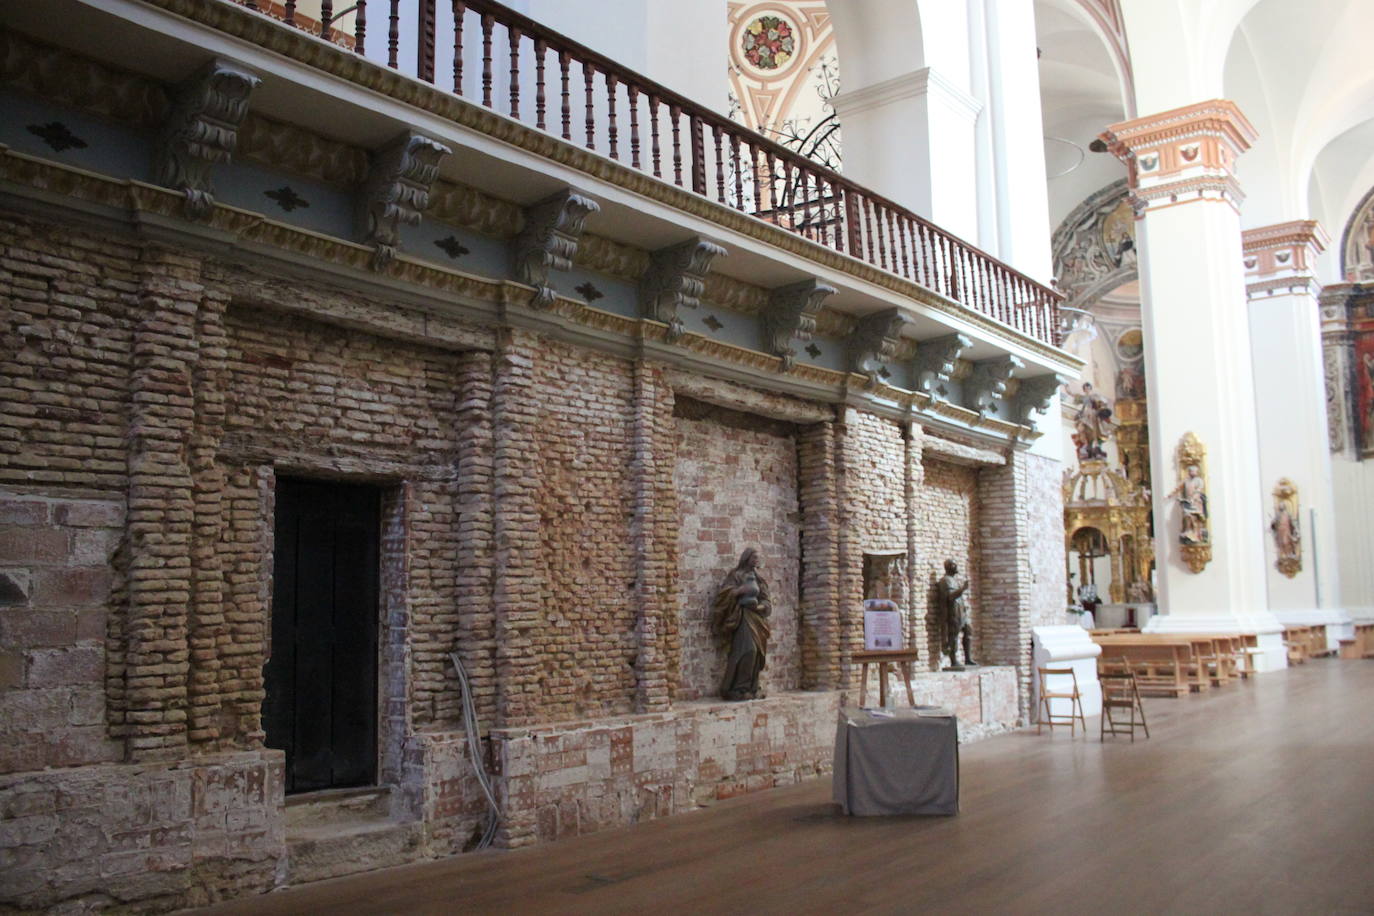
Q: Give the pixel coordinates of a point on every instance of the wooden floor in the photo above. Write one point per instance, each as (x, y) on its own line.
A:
(1255, 798)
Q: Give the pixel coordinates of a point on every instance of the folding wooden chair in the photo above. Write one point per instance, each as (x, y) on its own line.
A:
(1120, 691)
(1075, 699)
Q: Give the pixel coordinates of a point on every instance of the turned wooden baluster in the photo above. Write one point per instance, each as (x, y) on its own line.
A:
(882, 245)
(393, 35)
(632, 92)
(853, 229)
(541, 48)
(589, 81)
(290, 13)
(770, 170)
(674, 114)
(424, 53)
(459, 11)
(563, 62)
(611, 131)
(486, 59)
(901, 231)
(720, 164)
(514, 35)
(653, 135)
(808, 227)
(757, 174)
(327, 17)
(738, 167)
(869, 209)
(698, 137)
(789, 197)
(822, 214)
(360, 28)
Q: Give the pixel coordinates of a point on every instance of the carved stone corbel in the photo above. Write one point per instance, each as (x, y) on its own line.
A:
(934, 361)
(202, 129)
(791, 315)
(396, 191)
(549, 240)
(988, 381)
(675, 279)
(1035, 395)
(874, 342)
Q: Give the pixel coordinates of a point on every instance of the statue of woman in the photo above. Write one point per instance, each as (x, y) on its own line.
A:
(739, 618)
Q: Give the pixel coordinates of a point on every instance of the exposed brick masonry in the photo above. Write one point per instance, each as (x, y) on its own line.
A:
(736, 488)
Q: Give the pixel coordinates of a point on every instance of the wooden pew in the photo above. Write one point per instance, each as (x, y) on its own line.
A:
(1162, 662)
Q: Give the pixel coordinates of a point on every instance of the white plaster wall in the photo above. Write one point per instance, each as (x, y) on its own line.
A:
(1354, 486)
(1290, 398)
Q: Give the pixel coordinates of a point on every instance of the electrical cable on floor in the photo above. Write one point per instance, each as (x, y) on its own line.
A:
(475, 753)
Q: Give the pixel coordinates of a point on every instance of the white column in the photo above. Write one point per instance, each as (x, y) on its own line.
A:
(1198, 366)
(1290, 403)
(1018, 139)
(911, 139)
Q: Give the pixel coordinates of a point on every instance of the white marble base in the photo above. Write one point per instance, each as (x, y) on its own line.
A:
(1337, 622)
(1066, 646)
(1272, 655)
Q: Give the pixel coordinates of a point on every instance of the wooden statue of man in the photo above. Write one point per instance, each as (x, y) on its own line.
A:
(954, 610)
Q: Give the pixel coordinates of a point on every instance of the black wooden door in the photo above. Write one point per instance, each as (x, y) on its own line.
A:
(321, 680)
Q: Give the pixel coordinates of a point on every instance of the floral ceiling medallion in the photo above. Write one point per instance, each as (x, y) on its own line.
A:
(769, 42)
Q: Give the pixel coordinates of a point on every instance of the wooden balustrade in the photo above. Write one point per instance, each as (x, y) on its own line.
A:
(717, 158)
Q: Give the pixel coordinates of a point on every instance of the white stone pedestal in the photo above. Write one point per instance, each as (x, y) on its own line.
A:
(1067, 647)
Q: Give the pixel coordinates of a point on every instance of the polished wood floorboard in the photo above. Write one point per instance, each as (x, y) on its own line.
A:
(1255, 798)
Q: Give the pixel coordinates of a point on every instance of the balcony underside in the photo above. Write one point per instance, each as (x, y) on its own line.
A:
(321, 114)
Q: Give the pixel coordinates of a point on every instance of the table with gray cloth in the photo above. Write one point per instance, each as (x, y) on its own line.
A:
(906, 764)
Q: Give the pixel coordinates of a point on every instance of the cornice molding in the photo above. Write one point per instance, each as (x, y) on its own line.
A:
(924, 82)
(242, 24)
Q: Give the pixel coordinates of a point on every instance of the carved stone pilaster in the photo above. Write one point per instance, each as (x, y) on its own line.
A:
(791, 315)
(1035, 395)
(202, 129)
(988, 381)
(549, 240)
(874, 342)
(675, 279)
(396, 192)
(934, 362)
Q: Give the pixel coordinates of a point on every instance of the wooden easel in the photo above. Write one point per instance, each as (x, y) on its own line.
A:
(883, 658)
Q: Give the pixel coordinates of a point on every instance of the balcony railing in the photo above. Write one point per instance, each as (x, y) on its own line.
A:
(509, 63)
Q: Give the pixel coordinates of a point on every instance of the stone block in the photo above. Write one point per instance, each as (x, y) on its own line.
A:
(28, 546)
(72, 587)
(61, 667)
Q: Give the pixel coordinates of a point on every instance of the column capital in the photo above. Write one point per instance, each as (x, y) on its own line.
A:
(1183, 155)
(1282, 258)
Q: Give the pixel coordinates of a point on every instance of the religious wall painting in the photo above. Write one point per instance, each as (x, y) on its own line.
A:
(1195, 529)
(1094, 247)
(1357, 243)
(1283, 526)
(1364, 389)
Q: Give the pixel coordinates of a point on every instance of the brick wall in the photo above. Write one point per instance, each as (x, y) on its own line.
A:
(1004, 541)
(947, 518)
(736, 480)
(55, 598)
(318, 400)
(66, 300)
(875, 500)
(586, 568)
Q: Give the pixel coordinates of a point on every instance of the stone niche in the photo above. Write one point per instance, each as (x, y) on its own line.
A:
(736, 481)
